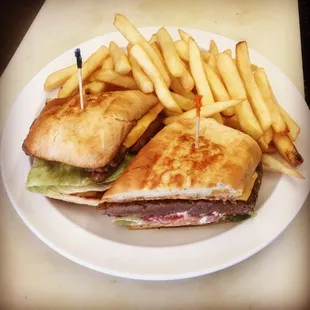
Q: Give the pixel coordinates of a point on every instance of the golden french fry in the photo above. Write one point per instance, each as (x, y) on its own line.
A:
(232, 122)
(262, 143)
(142, 80)
(268, 135)
(120, 59)
(112, 77)
(235, 88)
(169, 52)
(184, 103)
(108, 63)
(90, 65)
(131, 33)
(142, 124)
(94, 87)
(228, 52)
(287, 149)
(93, 76)
(182, 49)
(156, 49)
(176, 84)
(153, 38)
(186, 79)
(218, 89)
(198, 74)
(205, 55)
(206, 111)
(278, 123)
(154, 75)
(169, 113)
(258, 104)
(59, 77)
(272, 164)
(212, 62)
(183, 35)
(178, 88)
(213, 49)
(271, 149)
(293, 127)
(254, 67)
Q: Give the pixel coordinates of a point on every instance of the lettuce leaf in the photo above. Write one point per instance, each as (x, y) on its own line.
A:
(127, 220)
(50, 177)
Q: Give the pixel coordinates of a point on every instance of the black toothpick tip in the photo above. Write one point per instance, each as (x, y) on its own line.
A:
(78, 56)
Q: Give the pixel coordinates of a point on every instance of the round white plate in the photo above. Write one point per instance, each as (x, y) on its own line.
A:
(89, 238)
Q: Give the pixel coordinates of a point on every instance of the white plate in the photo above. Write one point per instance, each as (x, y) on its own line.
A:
(89, 238)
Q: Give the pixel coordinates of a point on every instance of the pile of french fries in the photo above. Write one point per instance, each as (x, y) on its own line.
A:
(235, 92)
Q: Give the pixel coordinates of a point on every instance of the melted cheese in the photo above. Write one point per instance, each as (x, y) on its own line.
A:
(248, 190)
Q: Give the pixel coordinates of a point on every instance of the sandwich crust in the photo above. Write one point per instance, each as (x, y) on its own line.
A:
(170, 167)
(87, 138)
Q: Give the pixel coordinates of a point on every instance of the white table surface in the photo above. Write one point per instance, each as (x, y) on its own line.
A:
(32, 276)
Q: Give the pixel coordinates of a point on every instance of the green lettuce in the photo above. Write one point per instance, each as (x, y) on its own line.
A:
(47, 177)
(127, 221)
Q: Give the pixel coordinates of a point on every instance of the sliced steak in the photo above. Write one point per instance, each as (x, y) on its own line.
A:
(151, 131)
(100, 174)
(194, 207)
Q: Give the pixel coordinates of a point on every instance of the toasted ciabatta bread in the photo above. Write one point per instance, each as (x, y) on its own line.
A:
(170, 167)
(87, 138)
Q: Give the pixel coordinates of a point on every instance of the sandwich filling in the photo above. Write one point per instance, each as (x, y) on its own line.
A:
(52, 178)
(176, 212)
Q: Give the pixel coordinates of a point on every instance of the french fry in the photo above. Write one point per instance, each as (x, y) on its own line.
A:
(131, 33)
(154, 75)
(262, 143)
(178, 88)
(142, 80)
(235, 88)
(258, 104)
(184, 103)
(212, 63)
(170, 53)
(197, 70)
(93, 76)
(120, 59)
(94, 87)
(218, 89)
(186, 79)
(293, 127)
(254, 67)
(232, 122)
(90, 65)
(268, 135)
(272, 164)
(278, 123)
(169, 113)
(59, 77)
(205, 55)
(112, 77)
(287, 149)
(142, 124)
(182, 49)
(108, 63)
(271, 149)
(213, 49)
(176, 84)
(228, 52)
(206, 111)
(183, 35)
(153, 38)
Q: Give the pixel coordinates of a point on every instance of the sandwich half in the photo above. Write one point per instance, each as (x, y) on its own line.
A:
(171, 184)
(79, 153)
